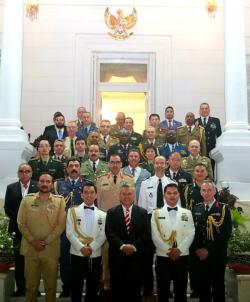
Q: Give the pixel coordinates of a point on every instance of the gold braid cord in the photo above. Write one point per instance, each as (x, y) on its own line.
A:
(212, 222)
(172, 238)
(69, 198)
(82, 237)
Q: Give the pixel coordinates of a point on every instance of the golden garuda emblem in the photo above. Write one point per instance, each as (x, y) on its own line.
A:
(120, 24)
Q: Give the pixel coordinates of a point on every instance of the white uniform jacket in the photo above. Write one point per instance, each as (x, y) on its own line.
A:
(148, 192)
(162, 230)
(98, 232)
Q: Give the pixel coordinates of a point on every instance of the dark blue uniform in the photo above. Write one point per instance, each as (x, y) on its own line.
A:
(122, 151)
(213, 237)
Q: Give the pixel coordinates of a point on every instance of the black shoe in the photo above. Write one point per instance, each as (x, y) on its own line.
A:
(194, 294)
(64, 294)
(18, 293)
(38, 294)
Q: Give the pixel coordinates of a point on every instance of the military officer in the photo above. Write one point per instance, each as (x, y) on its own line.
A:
(188, 163)
(148, 164)
(150, 140)
(123, 148)
(172, 145)
(172, 233)
(116, 128)
(93, 139)
(69, 140)
(80, 147)
(41, 220)
(86, 232)
(106, 140)
(109, 184)
(154, 121)
(70, 189)
(192, 130)
(177, 174)
(213, 228)
(44, 163)
(93, 167)
(59, 152)
(211, 125)
(135, 138)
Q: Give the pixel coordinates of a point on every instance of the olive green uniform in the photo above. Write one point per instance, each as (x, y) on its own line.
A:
(188, 164)
(88, 172)
(198, 133)
(40, 219)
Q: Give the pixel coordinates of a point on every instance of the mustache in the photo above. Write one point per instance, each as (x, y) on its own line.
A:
(74, 171)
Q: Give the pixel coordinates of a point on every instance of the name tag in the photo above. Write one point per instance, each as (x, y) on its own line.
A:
(163, 217)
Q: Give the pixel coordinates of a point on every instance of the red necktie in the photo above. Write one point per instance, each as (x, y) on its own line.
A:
(127, 220)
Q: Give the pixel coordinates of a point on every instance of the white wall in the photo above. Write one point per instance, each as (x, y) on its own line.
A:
(195, 63)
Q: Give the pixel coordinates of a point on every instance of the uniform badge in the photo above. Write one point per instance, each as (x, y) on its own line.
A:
(100, 221)
(213, 126)
(184, 217)
(150, 195)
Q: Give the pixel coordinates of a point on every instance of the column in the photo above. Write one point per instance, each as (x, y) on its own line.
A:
(233, 147)
(11, 64)
(235, 66)
(14, 145)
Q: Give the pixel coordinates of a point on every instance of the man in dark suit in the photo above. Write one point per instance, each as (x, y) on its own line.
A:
(59, 131)
(169, 123)
(87, 126)
(175, 173)
(213, 227)
(14, 194)
(212, 128)
(128, 231)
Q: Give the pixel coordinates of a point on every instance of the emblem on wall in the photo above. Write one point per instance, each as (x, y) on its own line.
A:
(120, 24)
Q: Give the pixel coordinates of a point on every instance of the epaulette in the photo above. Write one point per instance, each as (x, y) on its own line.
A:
(101, 210)
(60, 179)
(146, 178)
(106, 174)
(180, 127)
(199, 204)
(34, 158)
(57, 196)
(30, 194)
(128, 175)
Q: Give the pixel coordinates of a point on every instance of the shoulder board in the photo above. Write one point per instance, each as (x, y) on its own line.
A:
(57, 196)
(131, 176)
(101, 210)
(180, 127)
(54, 159)
(146, 178)
(33, 158)
(30, 194)
(103, 175)
(60, 179)
(182, 145)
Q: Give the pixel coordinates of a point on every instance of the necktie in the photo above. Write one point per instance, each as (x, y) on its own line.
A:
(160, 202)
(133, 171)
(169, 124)
(85, 131)
(204, 122)
(189, 129)
(206, 208)
(174, 175)
(59, 135)
(58, 157)
(105, 139)
(72, 149)
(115, 178)
(89, 208)
(170, 209)
(94, 167)
(73, 183)
(127, 220)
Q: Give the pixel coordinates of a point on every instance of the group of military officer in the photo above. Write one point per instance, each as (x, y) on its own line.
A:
(192, 142)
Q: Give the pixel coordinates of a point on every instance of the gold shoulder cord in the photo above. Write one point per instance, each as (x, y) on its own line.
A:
(186, 191)
(83, 237)
(69, 198)
(140, 147)
(212, 222)
(172, 238)
(56, 188)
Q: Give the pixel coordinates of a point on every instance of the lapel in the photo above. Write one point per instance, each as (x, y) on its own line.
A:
(132, 221)
(19, 191)
(122, 220)
(32, 187)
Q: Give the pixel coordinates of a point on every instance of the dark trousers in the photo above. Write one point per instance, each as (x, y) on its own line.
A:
(89, 269)
(19, 266)
(193, 273)
(168, 270)
(126, 282)
(65, 263)
(211, 279)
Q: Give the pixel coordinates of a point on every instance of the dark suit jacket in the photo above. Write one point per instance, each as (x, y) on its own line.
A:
(217, 248)
(51, 135)
(80, 133)
(183, 179)
(175, 125)
(164, 150)
(117, 235)
(13, 198)
(212, 131)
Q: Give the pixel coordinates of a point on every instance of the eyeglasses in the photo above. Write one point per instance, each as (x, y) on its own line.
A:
(24, 171)
(115, 162)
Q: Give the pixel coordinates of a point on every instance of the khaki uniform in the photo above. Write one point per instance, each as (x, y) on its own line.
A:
(115, 130)
(198, 133)
(41, 220)
(188, 164)
(109, 142)
(108, 192)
